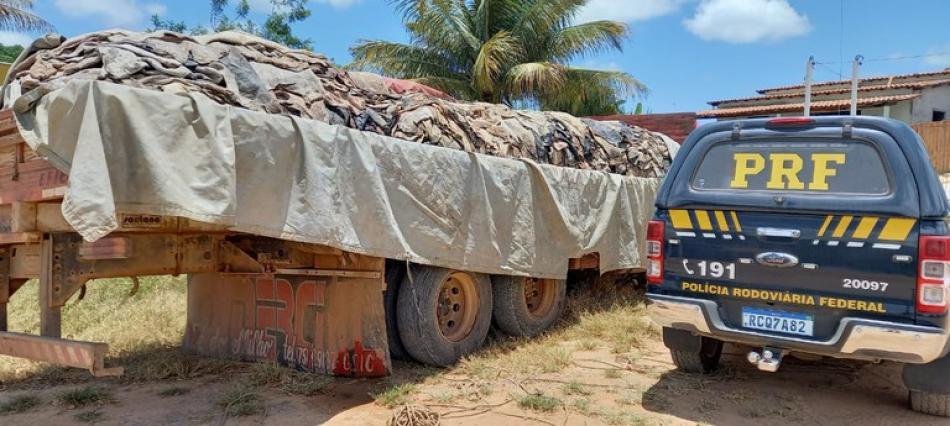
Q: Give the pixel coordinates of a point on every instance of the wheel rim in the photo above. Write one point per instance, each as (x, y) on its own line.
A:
(457, 306)
(539, 295)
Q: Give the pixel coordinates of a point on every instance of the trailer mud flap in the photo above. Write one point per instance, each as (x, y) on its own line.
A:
(69, 353)
(321, 321)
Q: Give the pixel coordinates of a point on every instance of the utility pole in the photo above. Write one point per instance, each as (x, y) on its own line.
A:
(809, 70)
(858, 61)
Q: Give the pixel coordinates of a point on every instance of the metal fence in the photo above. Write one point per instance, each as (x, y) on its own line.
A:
(936, 136)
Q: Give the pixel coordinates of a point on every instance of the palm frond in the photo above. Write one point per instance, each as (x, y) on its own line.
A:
(410, 9)
(15, 16)
(622, 84)
(536, 19)
(456, 87)
(495, 55)
(533, 78)
(400, 60)
(588, 38)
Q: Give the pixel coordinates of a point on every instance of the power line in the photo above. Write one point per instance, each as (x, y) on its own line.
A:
(893, 58)
(830, 69)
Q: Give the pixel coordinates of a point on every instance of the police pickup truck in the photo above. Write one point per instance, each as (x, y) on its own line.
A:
(813, 235)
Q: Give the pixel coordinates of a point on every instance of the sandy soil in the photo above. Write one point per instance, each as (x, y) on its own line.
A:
(599, 387)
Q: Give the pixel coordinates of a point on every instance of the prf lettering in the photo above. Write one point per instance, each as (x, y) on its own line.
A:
(784, 170)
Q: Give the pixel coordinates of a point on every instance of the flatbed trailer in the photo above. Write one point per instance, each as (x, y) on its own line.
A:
(303, 305)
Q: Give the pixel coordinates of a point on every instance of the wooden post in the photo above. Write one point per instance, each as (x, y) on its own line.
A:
(5, 288)
(51, 320)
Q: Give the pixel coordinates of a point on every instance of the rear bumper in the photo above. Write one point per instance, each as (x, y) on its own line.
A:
(855, 338)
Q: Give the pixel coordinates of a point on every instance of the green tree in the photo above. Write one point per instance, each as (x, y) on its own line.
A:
(9, 53)
(276, 27)
(508, 51)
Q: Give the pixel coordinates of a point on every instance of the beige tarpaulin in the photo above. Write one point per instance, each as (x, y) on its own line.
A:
(137, 151)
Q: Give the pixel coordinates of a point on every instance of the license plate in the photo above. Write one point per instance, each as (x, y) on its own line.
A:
(778, 321)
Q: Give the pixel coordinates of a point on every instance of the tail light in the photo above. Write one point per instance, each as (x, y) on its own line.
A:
(933, 276)
(656, 229)
(790, 122)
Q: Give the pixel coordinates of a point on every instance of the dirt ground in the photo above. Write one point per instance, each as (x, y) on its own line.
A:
(598, 387)
(603, 364)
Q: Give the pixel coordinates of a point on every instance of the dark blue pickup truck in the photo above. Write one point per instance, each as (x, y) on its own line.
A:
(811, 235)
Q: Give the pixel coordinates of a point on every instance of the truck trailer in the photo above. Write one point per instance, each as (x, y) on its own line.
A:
(306, 244)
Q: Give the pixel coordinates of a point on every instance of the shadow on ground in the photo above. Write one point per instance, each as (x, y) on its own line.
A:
(826, 391)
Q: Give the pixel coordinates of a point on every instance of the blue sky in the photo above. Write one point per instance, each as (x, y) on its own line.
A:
(687, 52)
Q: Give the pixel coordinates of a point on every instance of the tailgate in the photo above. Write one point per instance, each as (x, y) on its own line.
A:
(761, 266)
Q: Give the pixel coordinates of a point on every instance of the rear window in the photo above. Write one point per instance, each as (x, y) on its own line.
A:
(793, 166)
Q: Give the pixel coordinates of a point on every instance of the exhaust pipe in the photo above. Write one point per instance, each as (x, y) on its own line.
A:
(767, 360)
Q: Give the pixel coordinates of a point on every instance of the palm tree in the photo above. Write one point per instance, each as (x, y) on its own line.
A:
(15, 15)
(507, 51)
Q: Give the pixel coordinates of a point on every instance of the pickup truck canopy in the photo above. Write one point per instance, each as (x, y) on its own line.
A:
(916, 190)
(134, 151)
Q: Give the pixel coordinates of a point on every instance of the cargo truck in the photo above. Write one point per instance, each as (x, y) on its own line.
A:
(322, 290)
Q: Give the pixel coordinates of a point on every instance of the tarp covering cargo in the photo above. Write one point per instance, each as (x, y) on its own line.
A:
(245, 71)
(140, 151)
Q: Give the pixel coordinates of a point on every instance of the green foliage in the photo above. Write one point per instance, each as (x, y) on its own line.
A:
(507, 51)
(394, 396)
(9, 53)
(538, 402)
(276, 26)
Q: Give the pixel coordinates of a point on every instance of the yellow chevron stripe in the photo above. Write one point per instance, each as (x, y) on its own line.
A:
(897, 229)
(842, 226)
(721, 220)
(680, 219)
(824, 226)
(865, 226)
(702, 218)
(735, 221)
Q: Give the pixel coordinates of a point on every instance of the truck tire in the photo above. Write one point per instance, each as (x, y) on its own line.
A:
(935, 404)
(525, 307)
(442, 314)
(691, 353)
(395, 271)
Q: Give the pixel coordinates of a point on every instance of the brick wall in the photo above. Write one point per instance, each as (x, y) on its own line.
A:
(675, 125)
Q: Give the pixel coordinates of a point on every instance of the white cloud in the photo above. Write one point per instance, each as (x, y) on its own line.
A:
(339, 4)
(747, 21)
(111, 12)
(9, 38)
(938, 57)
(622, 10)
(601, 66)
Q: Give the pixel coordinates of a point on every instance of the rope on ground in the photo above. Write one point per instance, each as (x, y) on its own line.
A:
(414, 415)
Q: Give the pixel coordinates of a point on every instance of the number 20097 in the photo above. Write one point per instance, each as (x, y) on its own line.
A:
(864, 284)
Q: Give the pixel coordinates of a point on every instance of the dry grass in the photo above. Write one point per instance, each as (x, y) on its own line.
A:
(241, 401)
(290, 381)
(84, 396)
(601, 311)
(141, 329)
(539, 402)
(394, 395)
(19, 404)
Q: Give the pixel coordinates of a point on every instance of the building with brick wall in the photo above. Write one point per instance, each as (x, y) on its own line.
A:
(676, 125)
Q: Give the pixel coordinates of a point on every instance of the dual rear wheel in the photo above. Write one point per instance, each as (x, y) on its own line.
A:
(436, 316)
